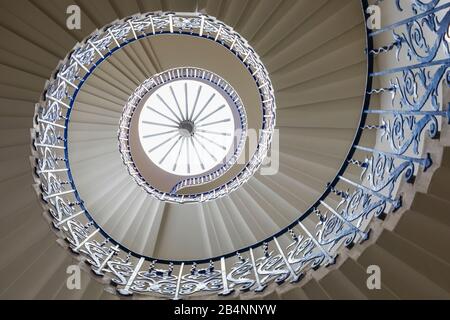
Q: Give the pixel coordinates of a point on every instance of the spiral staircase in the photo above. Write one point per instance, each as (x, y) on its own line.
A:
(362, 145)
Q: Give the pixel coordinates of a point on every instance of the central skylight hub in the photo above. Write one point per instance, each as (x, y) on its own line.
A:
(186, 128)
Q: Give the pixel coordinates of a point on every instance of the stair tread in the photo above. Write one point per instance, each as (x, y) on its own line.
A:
(403, 280)
(426, 233)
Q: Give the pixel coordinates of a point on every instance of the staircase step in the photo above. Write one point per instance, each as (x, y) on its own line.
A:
(439, 184)
(404, 281)
(339, 287)
(37, 274)
(314, 291)
(93, 291)
(75, 294)
(433, 268)
(446, 158)
(430, 235)
(358, 276)
(433, 207)
(16, 267)
(57, 279)
(105, 295)
(295, 293)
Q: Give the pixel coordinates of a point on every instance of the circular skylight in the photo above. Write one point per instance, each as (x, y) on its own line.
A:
(187, 127)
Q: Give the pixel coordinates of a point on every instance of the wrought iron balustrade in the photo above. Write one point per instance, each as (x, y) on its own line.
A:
(341, 217)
